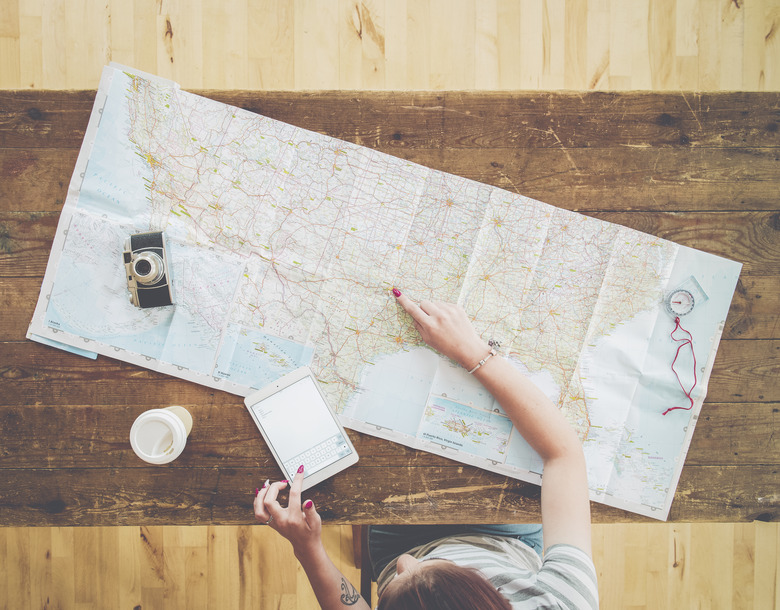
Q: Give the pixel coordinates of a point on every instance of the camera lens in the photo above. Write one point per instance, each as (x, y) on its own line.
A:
(148, 268)
(143, 267)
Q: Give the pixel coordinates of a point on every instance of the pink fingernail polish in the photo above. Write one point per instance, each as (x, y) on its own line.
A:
(307, 504)
(300, 469)
(257, 491)
(283, 481)
(396, 292)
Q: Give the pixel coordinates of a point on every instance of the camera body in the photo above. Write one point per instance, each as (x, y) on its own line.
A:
(147, 270)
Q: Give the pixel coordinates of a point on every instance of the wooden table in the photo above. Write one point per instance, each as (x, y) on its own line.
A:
(698, 169)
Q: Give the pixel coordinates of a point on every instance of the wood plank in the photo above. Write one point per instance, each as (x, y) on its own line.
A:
(766, 582)
(737, 434)
(17, 573)
(27, 117)
(730, 47)
(453, 119)
(746, 371)
(618, 179)
(754, 308)
(25, 242)
(640, 565)
(526, 120)
(224, 495)
(35, 179)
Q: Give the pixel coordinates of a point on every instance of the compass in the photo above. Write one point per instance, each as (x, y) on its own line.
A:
(680, 302)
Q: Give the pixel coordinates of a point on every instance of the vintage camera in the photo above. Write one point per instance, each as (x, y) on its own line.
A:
(148, 272)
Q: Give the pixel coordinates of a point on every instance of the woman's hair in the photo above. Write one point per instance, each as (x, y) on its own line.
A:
(443, 587)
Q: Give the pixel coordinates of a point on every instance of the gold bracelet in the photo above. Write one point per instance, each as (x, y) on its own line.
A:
(484, 360)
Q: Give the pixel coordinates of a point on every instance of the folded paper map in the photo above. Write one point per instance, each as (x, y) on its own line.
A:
(284, 245)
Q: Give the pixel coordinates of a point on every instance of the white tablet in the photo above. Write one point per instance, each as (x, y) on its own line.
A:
(300, 428)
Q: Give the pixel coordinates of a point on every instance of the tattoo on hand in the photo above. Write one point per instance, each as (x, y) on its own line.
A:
(350, 596)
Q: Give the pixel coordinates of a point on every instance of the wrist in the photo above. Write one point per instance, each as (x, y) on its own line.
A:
(474, 355)
(310, 552)
(483, 361)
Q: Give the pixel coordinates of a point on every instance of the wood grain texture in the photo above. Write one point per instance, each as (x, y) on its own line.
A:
(687, 565)
(392, 45)
(700, 170)
(158, 567)
(640, 566)
(492, 120)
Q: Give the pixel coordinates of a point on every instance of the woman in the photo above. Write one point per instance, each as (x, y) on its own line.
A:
(472, 569)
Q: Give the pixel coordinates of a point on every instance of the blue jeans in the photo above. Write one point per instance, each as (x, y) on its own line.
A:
(386, 542)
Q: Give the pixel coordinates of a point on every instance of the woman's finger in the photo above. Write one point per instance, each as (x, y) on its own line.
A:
(311, 515)
(410, 307)
(429, 307)
(260, 493)
(270, 503)
(259, 510)
(296, 488)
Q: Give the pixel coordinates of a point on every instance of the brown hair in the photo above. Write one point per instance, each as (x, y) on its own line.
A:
(443, 587)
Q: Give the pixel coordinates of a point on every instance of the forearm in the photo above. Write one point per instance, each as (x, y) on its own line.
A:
(565, 502)
(535, 416)
(332, 588)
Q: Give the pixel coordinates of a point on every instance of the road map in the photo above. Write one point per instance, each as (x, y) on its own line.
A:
(284, 245)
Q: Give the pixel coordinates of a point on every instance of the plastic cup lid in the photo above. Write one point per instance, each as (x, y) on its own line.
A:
(158, 436)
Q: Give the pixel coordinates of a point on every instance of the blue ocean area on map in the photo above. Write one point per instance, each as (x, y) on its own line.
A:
(389, 384)
(190, 343)
(149, 341)
(254, 359)
(452, 380)
(114, 179)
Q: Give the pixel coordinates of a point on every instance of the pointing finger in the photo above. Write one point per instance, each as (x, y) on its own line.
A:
(296, 488)
(429, 307)
(410, 307)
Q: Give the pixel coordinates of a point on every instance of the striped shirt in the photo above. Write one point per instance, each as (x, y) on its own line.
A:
(565, 579)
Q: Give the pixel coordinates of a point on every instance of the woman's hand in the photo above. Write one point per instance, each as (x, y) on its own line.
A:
(301, 525)
(446, 328)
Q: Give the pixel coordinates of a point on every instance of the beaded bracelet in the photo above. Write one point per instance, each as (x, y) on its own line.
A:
(484, 360)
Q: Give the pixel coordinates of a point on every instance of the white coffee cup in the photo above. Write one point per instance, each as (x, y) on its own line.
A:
(158, 436)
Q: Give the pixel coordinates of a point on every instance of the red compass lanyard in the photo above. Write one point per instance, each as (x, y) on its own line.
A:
(683, 342)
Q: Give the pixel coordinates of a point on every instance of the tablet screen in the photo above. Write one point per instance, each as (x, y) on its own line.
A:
(301, 428)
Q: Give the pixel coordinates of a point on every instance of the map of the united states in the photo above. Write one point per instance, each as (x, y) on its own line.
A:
(285, 245)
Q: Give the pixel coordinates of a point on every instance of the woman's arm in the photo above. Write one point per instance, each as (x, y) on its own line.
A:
(302, 526)
(565, 501)
(331, 587)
